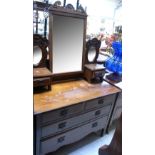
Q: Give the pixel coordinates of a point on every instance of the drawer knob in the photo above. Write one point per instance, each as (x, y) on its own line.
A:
(98, 112)
(62, 125)
(61, 139)
(94, 125)
(64, 112)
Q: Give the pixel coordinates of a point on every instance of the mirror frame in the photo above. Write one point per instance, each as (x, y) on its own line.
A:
(42, 43)
(96, 44)
(64, 11)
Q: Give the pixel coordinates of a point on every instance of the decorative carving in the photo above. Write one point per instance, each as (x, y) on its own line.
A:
(40, 5)
(41, 42)
(80, 9)
(57, 4)
(94, 42)
(70, 6)
(38, 40)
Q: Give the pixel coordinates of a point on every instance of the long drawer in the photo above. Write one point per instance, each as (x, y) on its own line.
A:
(71, 136)
(74, 121)
(99, 102)
(61, 113)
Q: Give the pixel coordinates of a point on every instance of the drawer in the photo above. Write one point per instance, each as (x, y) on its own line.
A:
(99, 73)
(71, 136)
(96, 103)
(74, 121)
(61, 113)
(41, 81)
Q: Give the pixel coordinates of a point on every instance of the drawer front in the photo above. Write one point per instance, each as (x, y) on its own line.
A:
(71, 136)
(74, 121)
(96, 103)
(61, 113)
(41, 82)
(99, 73)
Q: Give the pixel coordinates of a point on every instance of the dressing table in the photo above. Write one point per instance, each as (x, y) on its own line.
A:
(74, 107)
(71, 111)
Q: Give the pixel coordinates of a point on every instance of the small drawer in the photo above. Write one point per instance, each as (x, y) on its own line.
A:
(103, 101)
(53, 143)
(99, 73)
(63, 113)
(41, 81)
(74, 121)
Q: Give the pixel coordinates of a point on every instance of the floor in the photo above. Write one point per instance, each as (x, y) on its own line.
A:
(87, 146)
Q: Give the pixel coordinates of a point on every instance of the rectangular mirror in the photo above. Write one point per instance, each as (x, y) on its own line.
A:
(67, 44)
(67, 33)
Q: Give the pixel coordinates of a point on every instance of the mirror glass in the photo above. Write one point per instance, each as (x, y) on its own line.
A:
(67, 44)
(91, 54)
(37, 55)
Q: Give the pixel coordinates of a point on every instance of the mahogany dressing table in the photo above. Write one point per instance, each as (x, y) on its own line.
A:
(75, 108)
(71, 111)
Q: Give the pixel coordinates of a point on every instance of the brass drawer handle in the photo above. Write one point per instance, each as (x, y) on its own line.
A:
(62, 125)
(98, 112)
(94, 124)
(61, 139)
(64, 112)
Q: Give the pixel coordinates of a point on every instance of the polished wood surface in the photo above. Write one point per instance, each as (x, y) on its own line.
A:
(41, 72)
(69, 93)
(94, 67)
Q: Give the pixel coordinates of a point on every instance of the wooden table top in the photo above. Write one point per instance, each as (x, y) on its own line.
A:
(69, 93)
(94, 67)
(41, 72)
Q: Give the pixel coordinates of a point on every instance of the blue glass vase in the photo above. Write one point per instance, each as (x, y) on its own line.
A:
(114, 63)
